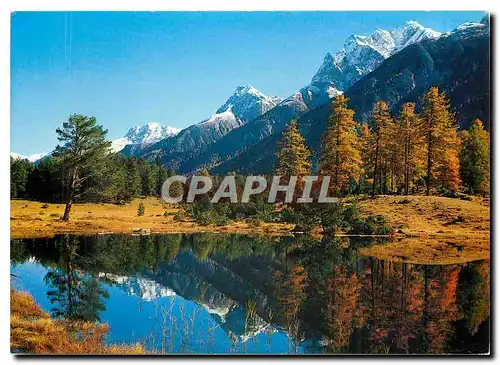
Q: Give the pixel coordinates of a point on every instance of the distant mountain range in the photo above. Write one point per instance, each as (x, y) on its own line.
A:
(32, 158)
(138, 138)
(359, 56)
(457, 62)
(394, 65)
(245, 105)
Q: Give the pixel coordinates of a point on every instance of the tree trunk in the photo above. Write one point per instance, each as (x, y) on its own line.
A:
(429, 161)
(375, 167)
(71, 193)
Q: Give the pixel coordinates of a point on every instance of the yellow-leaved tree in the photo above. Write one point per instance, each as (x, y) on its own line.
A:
(293, 156)
(340, 155)
(378, 146)
(441, 141)
(411, 139)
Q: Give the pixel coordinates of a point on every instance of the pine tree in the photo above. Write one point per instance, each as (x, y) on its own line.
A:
(340, 155)
(293, 155)
(20, 170)
(132, 179)
(441, 141)
(84, 148)
(475, 158)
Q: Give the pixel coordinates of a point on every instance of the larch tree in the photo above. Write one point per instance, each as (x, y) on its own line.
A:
(379, 145)
(293, 156)
(410, 137)
(441, 141)
(340, 155)
(83, 151)
(366, 140)
(475, 158)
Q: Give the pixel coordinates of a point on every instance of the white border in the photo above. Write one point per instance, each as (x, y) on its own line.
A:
(8, 6)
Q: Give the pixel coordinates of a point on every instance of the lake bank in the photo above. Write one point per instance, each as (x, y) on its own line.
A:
(33, 331)
(412, 216)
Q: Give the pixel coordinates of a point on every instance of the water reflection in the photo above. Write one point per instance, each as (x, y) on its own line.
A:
(212, 293)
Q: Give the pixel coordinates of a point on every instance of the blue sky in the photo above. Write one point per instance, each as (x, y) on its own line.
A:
(130, 68)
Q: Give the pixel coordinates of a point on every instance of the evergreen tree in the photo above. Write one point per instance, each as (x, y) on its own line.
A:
(20, 170)
(161, 175)
(132, 180)
(84, 148)
(293, 156)
(475, 158)
(340, 155)
(441, 141)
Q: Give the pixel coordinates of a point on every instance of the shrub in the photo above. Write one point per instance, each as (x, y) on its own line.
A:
(141, 210)
(45, 206)
(254, 222)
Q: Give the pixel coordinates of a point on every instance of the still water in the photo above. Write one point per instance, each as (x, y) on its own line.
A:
(213, 293)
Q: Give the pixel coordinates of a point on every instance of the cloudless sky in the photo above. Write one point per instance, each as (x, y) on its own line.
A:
(130, 68)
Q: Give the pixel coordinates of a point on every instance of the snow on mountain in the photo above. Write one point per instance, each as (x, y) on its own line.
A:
(144, 288)
(244, 105)
(248, 103)
(32, 158)
(469, 29)
(225, 117)
(359, 56)
(150, 133)
(143, 136)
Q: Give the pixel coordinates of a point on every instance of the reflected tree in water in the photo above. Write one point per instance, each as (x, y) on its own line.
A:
(75, 294)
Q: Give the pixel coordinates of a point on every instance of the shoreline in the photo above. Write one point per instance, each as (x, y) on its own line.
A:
(423, 217)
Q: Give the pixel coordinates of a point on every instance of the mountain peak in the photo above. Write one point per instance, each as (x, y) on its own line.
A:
(248, 103)
(245, 89)
(144, 135)
(361, 54)
(31, 158)
(413, 24)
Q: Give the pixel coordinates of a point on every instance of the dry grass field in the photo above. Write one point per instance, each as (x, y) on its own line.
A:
(33, 331)
(432, 216)
(35, 219)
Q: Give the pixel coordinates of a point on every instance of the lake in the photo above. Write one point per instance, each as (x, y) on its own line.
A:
(236, 294)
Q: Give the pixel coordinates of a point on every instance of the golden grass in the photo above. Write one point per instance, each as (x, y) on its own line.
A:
(29, 219)
(432, 216)
(431, 251)
(32, 331)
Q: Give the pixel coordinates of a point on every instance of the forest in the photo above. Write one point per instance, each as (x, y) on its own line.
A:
(410, 153)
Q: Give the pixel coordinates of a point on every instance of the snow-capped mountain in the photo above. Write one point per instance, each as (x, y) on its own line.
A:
(32, 158)
(150, 133)
(244, 105)
(248, 103)
(359, 56)
(142, 136)
(469, 30)
(142, 287)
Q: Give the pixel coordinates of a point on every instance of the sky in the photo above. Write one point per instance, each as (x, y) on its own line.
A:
(174, 68)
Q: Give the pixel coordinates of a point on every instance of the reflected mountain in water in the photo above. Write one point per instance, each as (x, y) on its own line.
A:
(263, 295)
